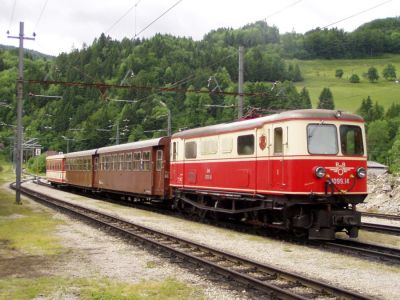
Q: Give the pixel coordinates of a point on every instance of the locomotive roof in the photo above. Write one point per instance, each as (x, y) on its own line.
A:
(81, 153)
(312, 114)
(133, 145)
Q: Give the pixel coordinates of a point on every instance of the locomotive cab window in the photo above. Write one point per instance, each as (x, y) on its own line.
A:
(190, 150)
(322, 139)
(278, 140)
(351, 140)
(245, 144)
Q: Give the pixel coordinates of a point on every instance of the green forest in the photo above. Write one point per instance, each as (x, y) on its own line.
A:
(196, 81)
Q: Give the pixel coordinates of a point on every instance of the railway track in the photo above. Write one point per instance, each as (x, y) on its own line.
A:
(350, 247)
(388, 229)
(365, 249)
(271, 282)
(380, 216)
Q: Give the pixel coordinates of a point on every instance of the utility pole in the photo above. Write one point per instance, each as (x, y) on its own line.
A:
(20, 99)
(240, 83)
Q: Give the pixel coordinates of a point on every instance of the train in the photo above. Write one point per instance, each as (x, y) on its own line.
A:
(301, 171)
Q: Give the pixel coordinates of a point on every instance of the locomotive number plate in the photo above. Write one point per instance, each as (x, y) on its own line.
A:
(341, 180)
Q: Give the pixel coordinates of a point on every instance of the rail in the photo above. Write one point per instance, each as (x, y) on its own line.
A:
(269, 280)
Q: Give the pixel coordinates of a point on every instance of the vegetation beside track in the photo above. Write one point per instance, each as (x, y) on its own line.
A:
(93, 288)
(29, 247)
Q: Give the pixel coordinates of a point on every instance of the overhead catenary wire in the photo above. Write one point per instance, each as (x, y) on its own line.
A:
(159, 17)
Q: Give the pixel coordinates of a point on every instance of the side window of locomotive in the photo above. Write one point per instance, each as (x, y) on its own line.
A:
(278, 140)
(245, 144)
(226, 145)
(159, 161)
(322, 139)
(209, 146)
(174, 151)
(190, 150)
(351, 140)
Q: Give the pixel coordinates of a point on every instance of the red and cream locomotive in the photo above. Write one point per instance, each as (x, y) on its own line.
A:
(303, 171)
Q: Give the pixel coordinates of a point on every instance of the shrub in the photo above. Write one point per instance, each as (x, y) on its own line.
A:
(339, 73)
(354, 78)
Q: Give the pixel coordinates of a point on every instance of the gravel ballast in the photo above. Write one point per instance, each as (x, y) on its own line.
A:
(377, 279)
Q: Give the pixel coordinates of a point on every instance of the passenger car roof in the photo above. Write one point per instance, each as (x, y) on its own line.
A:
(133, 145)
(80, 153)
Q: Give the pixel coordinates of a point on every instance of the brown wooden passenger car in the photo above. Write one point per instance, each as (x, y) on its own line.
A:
(79, 168)
(138, 168)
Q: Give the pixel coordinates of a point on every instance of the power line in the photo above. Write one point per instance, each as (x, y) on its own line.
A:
(357, 14)
(159, 17)
(283, 9)
(12, 14)
(102, 87)
(40, 15)
(119, 20)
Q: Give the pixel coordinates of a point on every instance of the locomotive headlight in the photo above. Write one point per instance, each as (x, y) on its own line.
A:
(320, 172)
(361, 172)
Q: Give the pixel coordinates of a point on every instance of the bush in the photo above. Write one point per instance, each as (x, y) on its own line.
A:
(37, 164)
(339, 73)
(354, 78)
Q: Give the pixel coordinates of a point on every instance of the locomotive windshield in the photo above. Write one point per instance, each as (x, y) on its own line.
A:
(351, 140)
(322, 139)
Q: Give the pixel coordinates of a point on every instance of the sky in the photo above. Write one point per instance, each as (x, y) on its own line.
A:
(62, 25)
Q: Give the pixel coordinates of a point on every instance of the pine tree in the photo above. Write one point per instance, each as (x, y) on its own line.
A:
(372, 74)
(389, 72)
(305, 98)
(326, 99)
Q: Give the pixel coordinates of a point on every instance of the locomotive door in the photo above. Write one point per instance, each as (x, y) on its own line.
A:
(159, 172)
(277, 158)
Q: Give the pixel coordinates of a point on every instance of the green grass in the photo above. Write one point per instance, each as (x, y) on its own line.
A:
(348, 96)
(26, 230)
(6, 172)
(94, 288)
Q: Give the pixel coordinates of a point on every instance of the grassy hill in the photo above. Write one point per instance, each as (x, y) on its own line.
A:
(348, 96)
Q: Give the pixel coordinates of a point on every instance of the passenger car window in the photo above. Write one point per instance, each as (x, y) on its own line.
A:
(322, 139)
(245, 144)
(351, 140)
(159, 162)
(146, 161)
(136, 161)
(190, 150)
